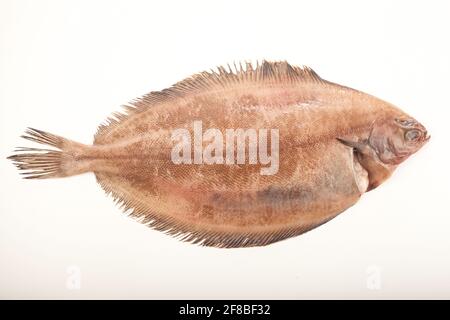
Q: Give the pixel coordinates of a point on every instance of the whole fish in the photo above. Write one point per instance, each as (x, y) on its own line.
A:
(239, 156)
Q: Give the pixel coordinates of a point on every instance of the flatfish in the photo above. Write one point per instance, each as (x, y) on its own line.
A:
(243, 155)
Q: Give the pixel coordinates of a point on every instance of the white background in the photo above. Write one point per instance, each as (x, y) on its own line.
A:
(66, 65)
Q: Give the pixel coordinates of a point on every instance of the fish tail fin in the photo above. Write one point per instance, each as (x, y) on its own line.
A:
(68, 157)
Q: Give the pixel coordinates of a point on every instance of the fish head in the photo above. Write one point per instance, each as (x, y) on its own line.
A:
(397, 138)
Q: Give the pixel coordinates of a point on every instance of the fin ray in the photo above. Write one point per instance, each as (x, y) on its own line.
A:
(43, 163)
(137, 209)
(264, 72)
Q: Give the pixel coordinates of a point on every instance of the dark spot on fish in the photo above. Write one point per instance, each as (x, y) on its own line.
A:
(278, 195)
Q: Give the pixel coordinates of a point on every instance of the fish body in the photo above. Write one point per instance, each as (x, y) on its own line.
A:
(237, 158)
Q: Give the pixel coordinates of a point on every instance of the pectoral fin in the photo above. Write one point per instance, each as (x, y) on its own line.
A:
(368, 158)
(360, 146)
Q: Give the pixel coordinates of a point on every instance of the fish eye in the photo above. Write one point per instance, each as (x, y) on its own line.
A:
(405, 122)
(412, 135)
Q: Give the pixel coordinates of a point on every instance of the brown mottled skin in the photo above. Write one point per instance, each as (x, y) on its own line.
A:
(335, 144)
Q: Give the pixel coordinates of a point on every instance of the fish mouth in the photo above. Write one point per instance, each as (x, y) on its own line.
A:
(425, 137)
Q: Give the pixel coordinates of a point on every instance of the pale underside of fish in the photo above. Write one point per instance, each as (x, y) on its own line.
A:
(335, 143)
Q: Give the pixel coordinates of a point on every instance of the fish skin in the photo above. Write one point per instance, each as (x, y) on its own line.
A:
(330, 139)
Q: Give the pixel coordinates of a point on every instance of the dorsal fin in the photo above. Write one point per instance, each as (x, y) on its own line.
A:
(223, 77)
